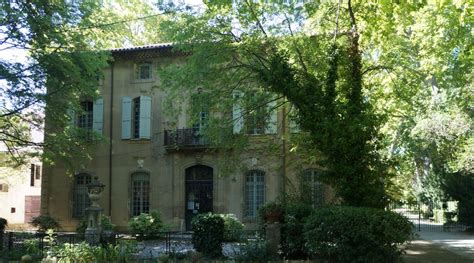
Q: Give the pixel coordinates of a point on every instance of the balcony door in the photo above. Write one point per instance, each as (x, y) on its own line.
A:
(199, 192)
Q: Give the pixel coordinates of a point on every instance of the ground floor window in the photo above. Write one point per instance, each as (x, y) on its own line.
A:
(254, 192)
(315, 187)
(80, 197)
(140, 194)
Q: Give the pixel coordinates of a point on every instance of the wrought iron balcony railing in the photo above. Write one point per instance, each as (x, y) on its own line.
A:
(185, 138)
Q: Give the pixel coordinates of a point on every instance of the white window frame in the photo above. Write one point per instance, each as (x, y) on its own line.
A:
(80, 199)
(254, 193)
(140, 193)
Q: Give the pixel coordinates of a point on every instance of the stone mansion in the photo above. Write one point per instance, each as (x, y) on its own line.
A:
(147, 164)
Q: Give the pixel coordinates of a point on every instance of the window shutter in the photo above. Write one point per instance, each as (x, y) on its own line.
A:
(72, 117)
(145, 117)
(98, 116)
(238, 120)
(271, 127)
(126, 117)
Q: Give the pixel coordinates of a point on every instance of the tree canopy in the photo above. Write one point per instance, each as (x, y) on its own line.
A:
(365, 79)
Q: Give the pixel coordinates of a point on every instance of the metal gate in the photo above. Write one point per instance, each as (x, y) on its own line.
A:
(199, 192)
(426, 218)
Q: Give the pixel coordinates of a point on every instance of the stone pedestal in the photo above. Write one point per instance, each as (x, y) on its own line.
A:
(94, 229)
(273, 238)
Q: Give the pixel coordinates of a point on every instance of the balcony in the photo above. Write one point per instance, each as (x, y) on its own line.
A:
(182, 139)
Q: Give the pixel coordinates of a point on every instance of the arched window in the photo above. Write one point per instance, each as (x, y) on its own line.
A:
(254, 192)
(80, 197)
(140, 202)
(312, 183)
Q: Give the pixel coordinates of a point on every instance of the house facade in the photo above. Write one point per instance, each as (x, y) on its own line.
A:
(20, 189)
(151, 161)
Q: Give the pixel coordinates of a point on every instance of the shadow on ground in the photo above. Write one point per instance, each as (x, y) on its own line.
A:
(421, 251)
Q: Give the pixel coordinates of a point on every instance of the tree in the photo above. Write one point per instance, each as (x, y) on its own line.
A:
(255, 46)
(56, 55)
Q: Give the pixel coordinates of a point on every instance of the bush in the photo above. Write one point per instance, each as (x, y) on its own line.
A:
(356, 234)
(271, 212)
(44, 222)
(3, 224)
(146, 225)
(208, 234)
(83, 252)
(233, 229)
(292, 234)
(254, 251)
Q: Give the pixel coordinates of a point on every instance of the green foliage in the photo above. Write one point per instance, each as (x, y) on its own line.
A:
(44, 223)
(105, 223)
(292, 234)
(255, 250)
(146, 225)
(459, 187)
(83, 252)
(208, 234)
(233, 228)
(271, 212)
(356, 234)
(3, 224)
(56, 66)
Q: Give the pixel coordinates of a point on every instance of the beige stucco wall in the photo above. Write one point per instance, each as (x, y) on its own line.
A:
(18, 181)
(166, 169)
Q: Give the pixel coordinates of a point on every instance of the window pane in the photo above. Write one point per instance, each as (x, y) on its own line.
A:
(80, 197)
(140, 194)
(254, 192)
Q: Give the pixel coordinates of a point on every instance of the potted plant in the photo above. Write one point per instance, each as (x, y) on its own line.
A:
(271, 212)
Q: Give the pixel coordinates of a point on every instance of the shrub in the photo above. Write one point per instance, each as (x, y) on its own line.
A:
(45, 222)
(233, 229)
(271, 212)
(3, 224)
(83, 252)
(356, 234)
(208, 234)
(254, 251)
(292, 234)
(146, 225)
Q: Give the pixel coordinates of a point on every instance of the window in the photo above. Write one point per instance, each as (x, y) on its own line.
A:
(80, 197)
(143, 71)
(90, 118)
(140, 202)
(85, 120)
(254, 192)
(312, 185)
(200, 109)
(136, 117)
(254, 114)
(35, 173)
(3, 187)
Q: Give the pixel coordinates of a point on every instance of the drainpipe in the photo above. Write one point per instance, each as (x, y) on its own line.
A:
(283, 152)
(111, 121)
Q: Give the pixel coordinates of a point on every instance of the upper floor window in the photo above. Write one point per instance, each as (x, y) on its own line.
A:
(136, 117)
(91, 116)
(143, 71)
(254, 114)
(254, 192)
(85, 119)
(3, 187)
(35, 173)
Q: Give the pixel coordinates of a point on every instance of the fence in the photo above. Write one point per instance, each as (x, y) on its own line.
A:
(425, 218)
(37, 243)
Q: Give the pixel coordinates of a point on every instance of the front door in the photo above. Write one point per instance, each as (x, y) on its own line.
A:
(199, 186)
